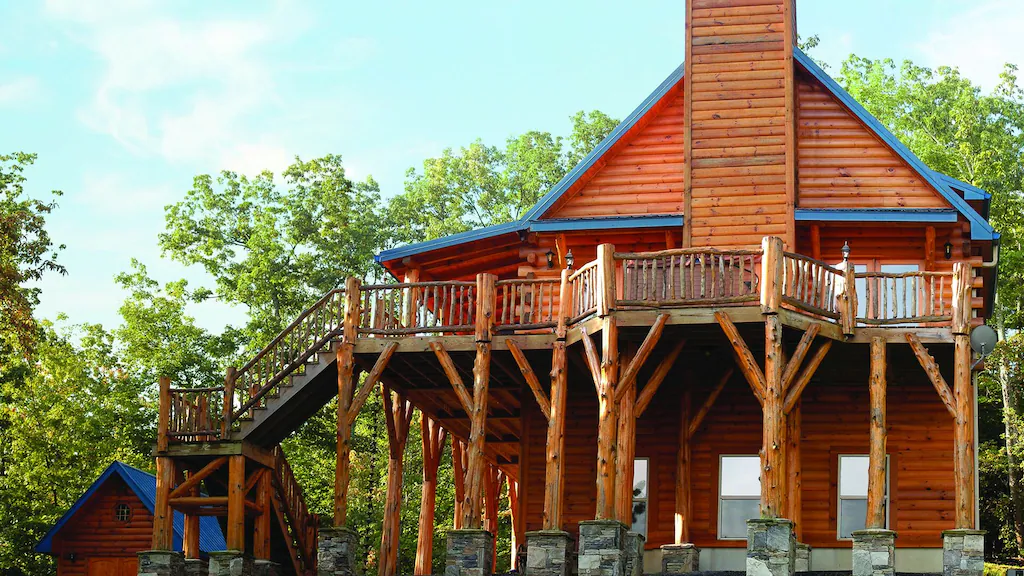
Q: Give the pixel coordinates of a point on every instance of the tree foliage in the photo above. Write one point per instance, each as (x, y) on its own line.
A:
(26, 251)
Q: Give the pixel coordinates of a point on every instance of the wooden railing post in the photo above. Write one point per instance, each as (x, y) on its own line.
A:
(229, 402)
(605, 292)
(410, 297)
(345, 360)
(771, 274)
(164, 414)
(848, 317)
(963, 392)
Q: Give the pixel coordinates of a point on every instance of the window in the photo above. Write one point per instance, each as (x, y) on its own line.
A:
(739, 495)
(641, 472)
(123, 513)
(853, 494)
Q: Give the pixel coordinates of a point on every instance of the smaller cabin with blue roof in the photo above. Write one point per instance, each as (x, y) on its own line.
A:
(113, 521)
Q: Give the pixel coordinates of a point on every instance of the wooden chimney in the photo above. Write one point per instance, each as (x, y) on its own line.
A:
(740, 132)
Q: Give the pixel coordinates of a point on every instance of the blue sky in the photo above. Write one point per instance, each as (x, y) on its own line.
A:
(125, 101)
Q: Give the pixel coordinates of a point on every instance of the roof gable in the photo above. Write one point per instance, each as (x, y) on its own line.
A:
(143, 484)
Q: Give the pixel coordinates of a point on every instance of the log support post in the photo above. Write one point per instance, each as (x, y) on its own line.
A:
(874, 547)
(609, 374)
(261, 523)
(163, 516)
(398, 416)
(345, 359)
(459, 477)
(236, 504)
(493, 480)
(773, 430)
(433, 438)
(470, 549)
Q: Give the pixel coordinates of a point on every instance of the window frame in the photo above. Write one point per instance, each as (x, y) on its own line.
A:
(839, 492)
(757, 498)
(646, 499)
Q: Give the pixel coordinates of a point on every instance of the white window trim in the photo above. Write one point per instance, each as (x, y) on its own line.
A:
(646, 499)
(840, 497)
(720, 497)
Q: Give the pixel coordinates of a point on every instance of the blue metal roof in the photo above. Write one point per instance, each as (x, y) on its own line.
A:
(980, 229)
(143, 484)
(876, 215)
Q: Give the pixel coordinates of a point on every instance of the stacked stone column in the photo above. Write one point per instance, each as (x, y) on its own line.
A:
(161, 563)
(963, 552)
(602, 548)
(874, 552)
(337, 552)
(548, 553)
(470, 553)
(771, 547)
(679, 559)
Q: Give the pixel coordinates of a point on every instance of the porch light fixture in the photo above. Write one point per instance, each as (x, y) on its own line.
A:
(569, 259)
(551, 259)
(948, 248)
(846, 251)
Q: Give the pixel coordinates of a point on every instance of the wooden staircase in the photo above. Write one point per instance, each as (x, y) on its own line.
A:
(298, 525)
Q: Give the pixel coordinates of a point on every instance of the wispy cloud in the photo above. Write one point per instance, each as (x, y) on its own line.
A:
(18, 90)
(182, 88)
(978, 40)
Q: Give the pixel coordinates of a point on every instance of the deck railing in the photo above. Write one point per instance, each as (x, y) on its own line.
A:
(664, 279)
(907, 297)
(302, 523)
(812, 285)
(417, 308)
(583, 292)
(689, 276)
(527, 304)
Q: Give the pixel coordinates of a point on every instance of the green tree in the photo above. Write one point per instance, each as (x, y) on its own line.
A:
(26, 251)
(482, 185)
(276, 251)
(67, 414)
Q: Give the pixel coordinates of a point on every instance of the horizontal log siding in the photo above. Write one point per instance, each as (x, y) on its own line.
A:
(738, 84)
(643, 176)
(842, 164)
(835, 421)
(94, 531)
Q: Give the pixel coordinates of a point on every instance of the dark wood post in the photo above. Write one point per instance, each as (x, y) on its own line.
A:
(432, 438)
(163, 516)
(459, 476)
(492, 493)
(794, 485)
(229, 401)
(236, 503)
(190, 539)
(773, 448)
(682, 488)
(398, 414)
(345, 360)
(261, 524)
(963, 394)
(877, 438)
(164, 414)
(625, 450)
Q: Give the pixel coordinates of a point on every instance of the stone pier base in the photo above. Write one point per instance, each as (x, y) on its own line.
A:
(230, 563)
(679, 559)
(771, 547)
(548, 553)
(602, 548)
(963, 552)
(161, 563)
(874, 552)
(266, 568)
(337, 552)
(469, 553)
(634, 551)
(803, 558)
(196, 567)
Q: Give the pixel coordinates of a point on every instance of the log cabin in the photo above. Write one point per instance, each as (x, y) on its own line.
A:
(734, 337)
(104, 530)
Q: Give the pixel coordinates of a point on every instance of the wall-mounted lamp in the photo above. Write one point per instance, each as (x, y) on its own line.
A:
(569, 259)
(948, 249)
(846, 251)
(551, 259)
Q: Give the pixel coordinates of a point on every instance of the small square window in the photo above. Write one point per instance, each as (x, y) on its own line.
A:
(641, 473)
(739, 495)
(853, 495)
(123, 513)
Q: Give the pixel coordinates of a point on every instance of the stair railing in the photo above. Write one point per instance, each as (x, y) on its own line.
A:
(286, 354)
(302, 523)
